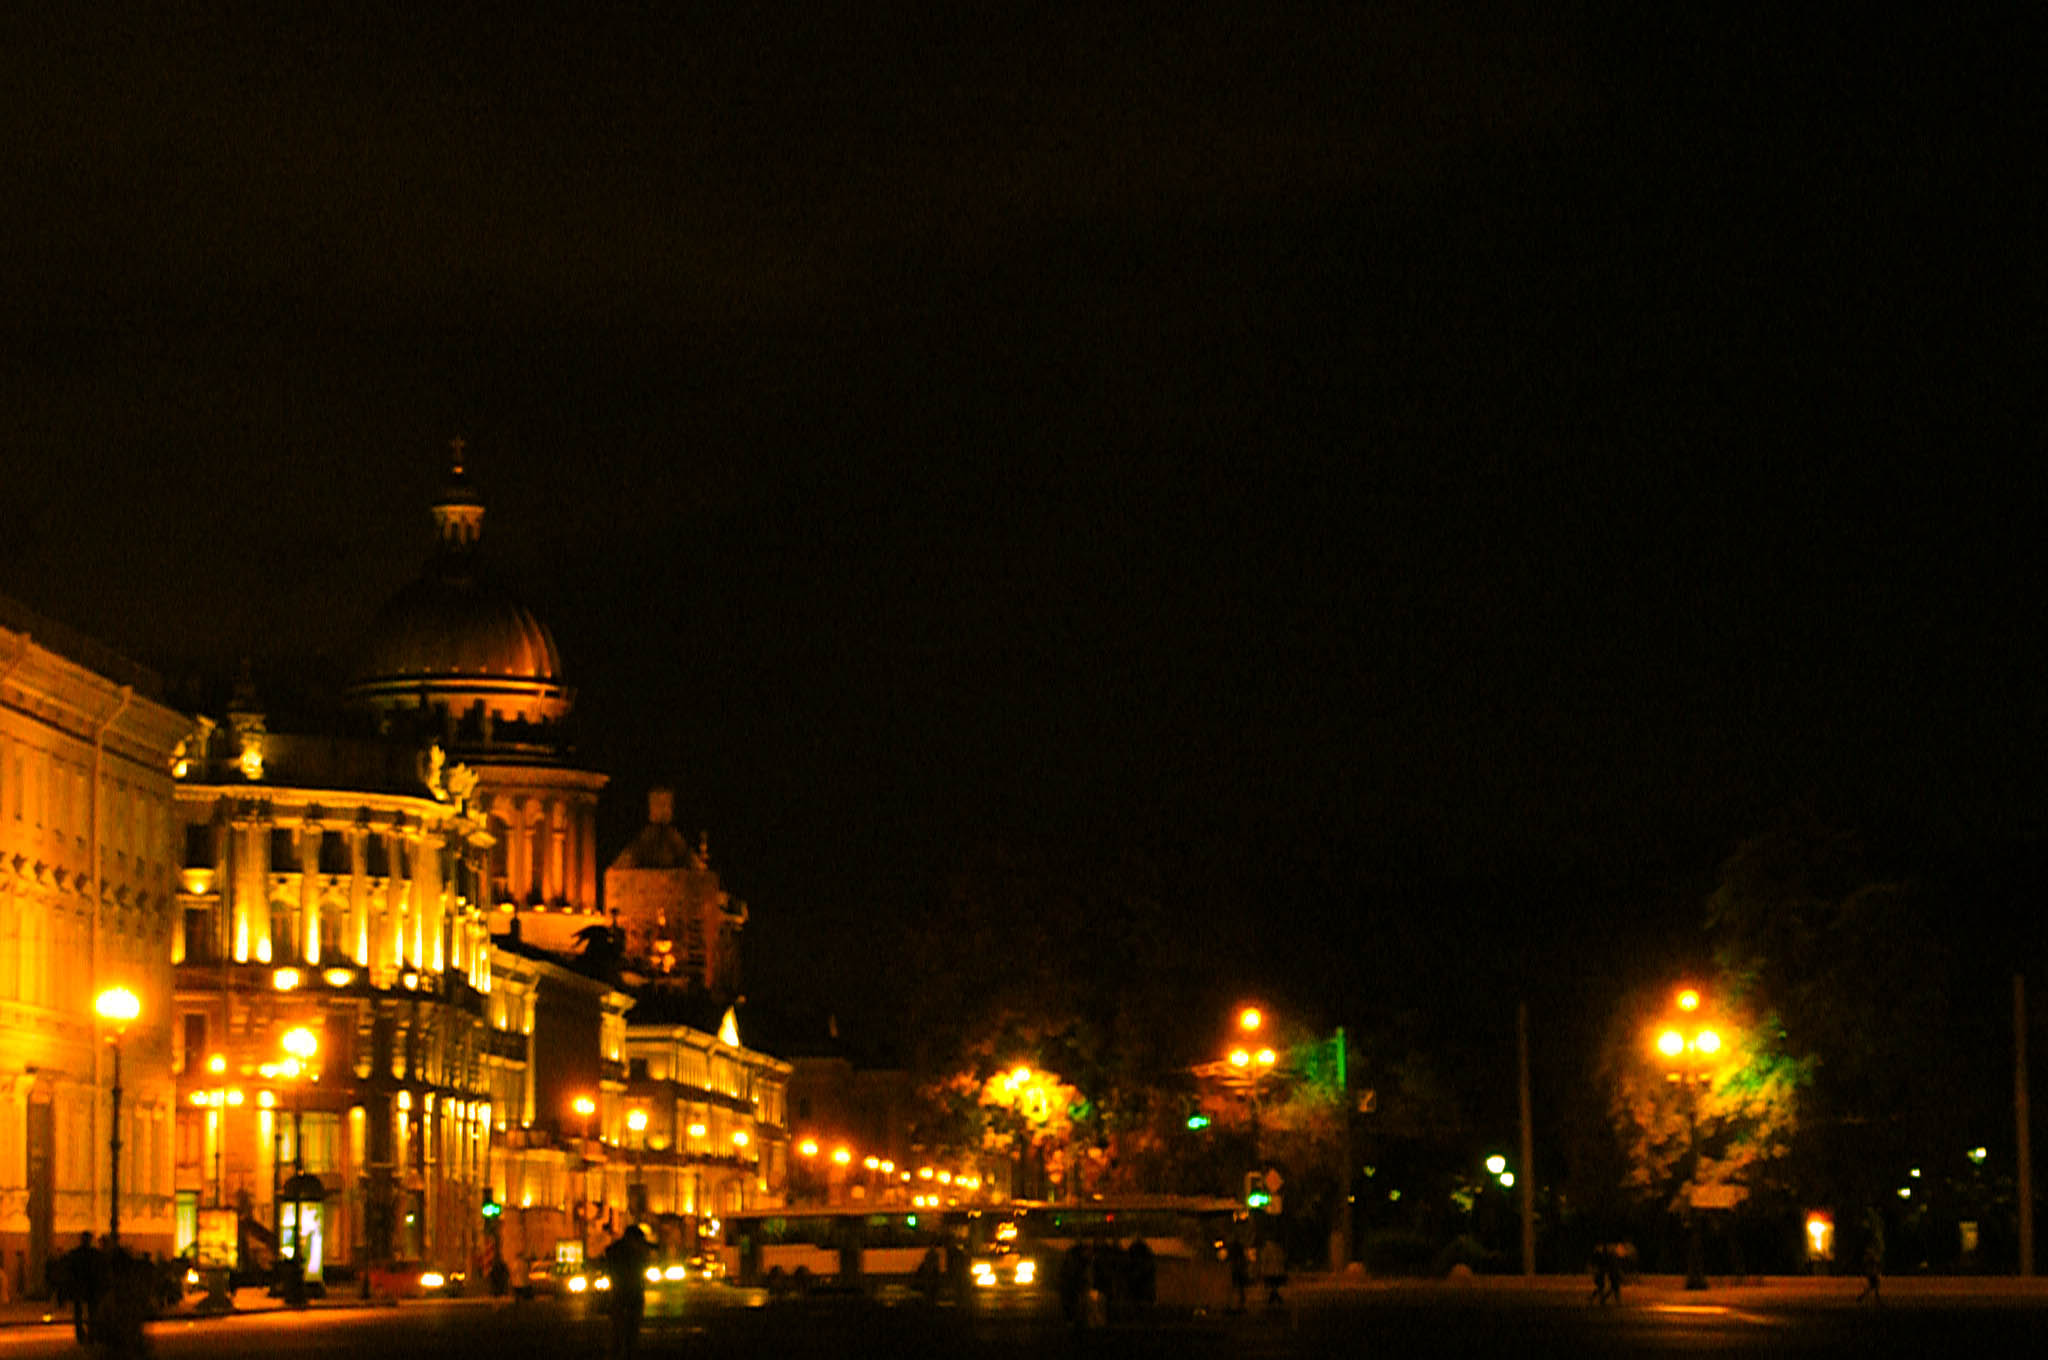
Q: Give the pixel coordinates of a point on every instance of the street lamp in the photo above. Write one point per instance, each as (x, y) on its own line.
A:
(302, 1044)
(119, 1007)
(585, 1107)
(1687, 1048)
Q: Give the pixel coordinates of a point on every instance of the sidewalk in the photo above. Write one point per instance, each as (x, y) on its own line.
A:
(252, 1299)
(1797, 1290)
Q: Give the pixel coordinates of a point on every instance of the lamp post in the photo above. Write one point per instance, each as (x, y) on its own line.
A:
(585, 1107)
(302, 1044)
(1249, 1066)
(119, 1007)
(1687, 1048)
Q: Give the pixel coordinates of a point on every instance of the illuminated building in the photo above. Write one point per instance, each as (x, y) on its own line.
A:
(564, 1034)
(85, 903)
(454, 655)
(336, 882)
(681, 926)
(716, 1135)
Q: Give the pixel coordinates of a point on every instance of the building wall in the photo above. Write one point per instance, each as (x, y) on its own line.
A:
(717, 1133)
(85, 904)
(361, 915)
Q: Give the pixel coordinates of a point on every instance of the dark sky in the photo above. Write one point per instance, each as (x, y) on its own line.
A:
(1319, 444)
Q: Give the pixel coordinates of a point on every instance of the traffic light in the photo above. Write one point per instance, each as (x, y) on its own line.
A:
(1255, 1196)
(492, 1208)
(1198, 1121)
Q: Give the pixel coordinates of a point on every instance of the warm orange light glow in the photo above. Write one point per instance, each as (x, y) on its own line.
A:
(284, 979)
(1240, 1057)
(301, 1043)
(842, 1156)
(1671, 1043)
(1267, 1057)
(1688, 1000)
(1021, 1075)
(809, 1147)
(118, 1004)
(636, 1120)
(1706, 1041)
(740, 1138)
(217, 1063)
(872, 1163)
(584, 1106)
(1250, 1019)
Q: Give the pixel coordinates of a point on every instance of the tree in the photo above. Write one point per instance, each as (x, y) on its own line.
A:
(1846, 968)
(1738, 1110)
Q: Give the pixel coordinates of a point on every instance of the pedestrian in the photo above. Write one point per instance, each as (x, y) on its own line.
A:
(1143, 1271)
(500, 1276)
(1606, 1274)
(1873, 1258)
(1273, 1268)
(76, 1278)
(1240, 1272)
(625, 1261)
(1074, 1273)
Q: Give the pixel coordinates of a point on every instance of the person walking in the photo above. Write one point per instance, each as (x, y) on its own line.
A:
(1240, 1272)
(76, 1278)
(1273, 1268)
(625, 1261)
(1606, 1274)
(1873, 1258)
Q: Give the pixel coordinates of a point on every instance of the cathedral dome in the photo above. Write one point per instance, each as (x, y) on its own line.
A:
(442, 627)
(454, 639)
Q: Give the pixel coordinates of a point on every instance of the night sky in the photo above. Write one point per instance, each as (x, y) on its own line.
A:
(1319, 446)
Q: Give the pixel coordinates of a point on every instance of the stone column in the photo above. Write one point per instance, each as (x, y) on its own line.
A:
(250, 891)
(357, 945)
(309, 891)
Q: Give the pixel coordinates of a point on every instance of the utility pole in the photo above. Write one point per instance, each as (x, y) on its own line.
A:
(1528, 1180)
(1342, 1256)
(2023, 1122)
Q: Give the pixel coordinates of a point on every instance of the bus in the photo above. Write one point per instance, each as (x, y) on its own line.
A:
(998, 1255)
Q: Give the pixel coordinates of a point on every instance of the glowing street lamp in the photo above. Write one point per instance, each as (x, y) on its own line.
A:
(1250, 1018)
(1686, 1048)
(584, 1107)
(302, 1044)
(120, 1008)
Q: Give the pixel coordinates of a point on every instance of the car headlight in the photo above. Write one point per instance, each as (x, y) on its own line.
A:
(577, 1284)
(984, 1274)
(432, 1279)
(601, 1282)
(1027, 1271)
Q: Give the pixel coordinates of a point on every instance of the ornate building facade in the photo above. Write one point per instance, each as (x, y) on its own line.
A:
(712, 1117)
(86, 903)
(681, 927)
(332, 884)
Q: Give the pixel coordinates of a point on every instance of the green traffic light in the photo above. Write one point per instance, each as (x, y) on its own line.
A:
(1198, 1121)
(1258, 1199)
(492, 1208)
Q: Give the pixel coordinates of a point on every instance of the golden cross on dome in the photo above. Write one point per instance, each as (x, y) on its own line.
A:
(458, 444)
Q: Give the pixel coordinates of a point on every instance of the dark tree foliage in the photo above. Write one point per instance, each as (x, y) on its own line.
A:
(1851, 978)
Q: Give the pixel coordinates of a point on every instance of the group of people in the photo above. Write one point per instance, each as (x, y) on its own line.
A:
(1270, 1262)
(112, 1292)
(1098, 1279)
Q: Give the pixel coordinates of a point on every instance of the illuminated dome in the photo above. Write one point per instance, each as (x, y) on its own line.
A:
(453, 639)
